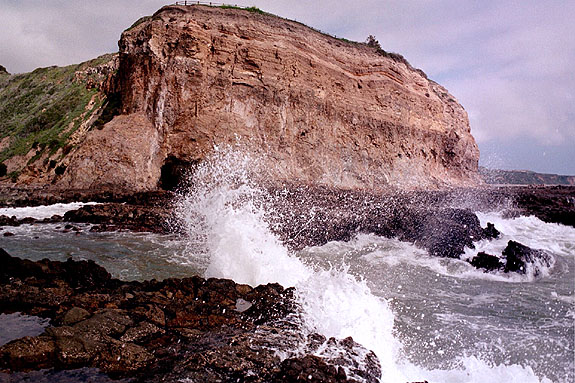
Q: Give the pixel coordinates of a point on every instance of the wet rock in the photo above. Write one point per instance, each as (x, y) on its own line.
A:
(520, 257)
(310, 368)
(27, 220)
(55, 218)
(88, 375)
(117, 215)
(85, 274)
(167, 331)
(124, 358)
(28, 353)
(490, 232)
(550, 204)
(75, 315)
(140, 332)
(445, 232)
(8, 221)
(487, 262)
(315, 216)
(104, 228)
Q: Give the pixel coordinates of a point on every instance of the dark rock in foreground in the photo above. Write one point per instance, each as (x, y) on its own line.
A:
(192, 328)
(516, 258)
(487, 262)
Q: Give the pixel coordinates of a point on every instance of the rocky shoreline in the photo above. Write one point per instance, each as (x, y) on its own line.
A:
(552, 204)
(441, 222)
(192, 328)
(217, 329)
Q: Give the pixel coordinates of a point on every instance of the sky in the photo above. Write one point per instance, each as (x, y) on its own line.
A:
(509, 63)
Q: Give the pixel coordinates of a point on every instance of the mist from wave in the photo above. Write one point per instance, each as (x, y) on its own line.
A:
(425, 318)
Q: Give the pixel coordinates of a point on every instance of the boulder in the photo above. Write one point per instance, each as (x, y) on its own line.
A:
(519, 258)
(487, 262)
(170, 330)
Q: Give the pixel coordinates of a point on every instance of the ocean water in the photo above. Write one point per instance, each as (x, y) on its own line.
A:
(42, 211)
(426, 318)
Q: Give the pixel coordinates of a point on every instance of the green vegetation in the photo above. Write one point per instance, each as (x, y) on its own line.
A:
(40, 110)
(255, 10)
(249, 9)
(373, 43)
(139, 21)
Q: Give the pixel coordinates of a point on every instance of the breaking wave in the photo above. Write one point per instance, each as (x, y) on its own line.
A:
(344, 289)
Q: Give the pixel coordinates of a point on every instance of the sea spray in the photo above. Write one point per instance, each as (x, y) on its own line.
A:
(226, 205)
(224, 214)
(42, 211)
(222, 211)
(336, 304)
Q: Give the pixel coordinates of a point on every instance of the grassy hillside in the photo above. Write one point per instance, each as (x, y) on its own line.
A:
(40, 110)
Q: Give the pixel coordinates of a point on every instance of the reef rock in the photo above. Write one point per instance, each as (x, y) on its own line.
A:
(317, 109)
(176, 330)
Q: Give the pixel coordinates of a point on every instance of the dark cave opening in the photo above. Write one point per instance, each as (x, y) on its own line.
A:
(174, 173)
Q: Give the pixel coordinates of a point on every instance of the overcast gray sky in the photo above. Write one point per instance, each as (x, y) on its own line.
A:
(509, 63)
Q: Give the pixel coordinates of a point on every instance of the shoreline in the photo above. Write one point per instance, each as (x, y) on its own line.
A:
(443, 223)
(434, 220)
(191, 328)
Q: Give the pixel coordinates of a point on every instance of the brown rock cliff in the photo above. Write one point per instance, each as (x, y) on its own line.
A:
(319, 110)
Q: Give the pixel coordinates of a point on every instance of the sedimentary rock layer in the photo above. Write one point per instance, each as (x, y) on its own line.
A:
(319, 110)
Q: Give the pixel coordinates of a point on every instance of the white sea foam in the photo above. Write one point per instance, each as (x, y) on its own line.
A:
(224, 218)
(392, 252)
(474, 370)
(551, 237)
(42, 211)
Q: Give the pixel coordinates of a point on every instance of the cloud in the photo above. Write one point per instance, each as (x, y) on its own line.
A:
(58, 32)
(523, 86)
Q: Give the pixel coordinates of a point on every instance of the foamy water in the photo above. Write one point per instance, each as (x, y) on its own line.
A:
(335, 285)
(426, 318)
(42, 211)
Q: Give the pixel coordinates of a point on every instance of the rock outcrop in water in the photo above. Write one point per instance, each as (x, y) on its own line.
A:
(515, 258)
(319, 110)
(176, 330)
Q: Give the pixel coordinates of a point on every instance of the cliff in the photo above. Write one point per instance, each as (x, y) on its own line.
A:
(315, 109)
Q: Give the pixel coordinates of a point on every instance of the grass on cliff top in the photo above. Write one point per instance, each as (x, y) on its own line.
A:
(139, 21)
(249, 9)
(39, 110)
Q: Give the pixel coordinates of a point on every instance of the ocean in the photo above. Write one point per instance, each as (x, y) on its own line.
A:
(426, 318)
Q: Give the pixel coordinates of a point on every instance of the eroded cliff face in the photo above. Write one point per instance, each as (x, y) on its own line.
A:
(319, 110)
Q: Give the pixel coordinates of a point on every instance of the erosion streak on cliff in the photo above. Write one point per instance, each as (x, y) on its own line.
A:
(321, 110)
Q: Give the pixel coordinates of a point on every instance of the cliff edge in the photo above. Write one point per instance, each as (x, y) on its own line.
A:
(315, 109)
